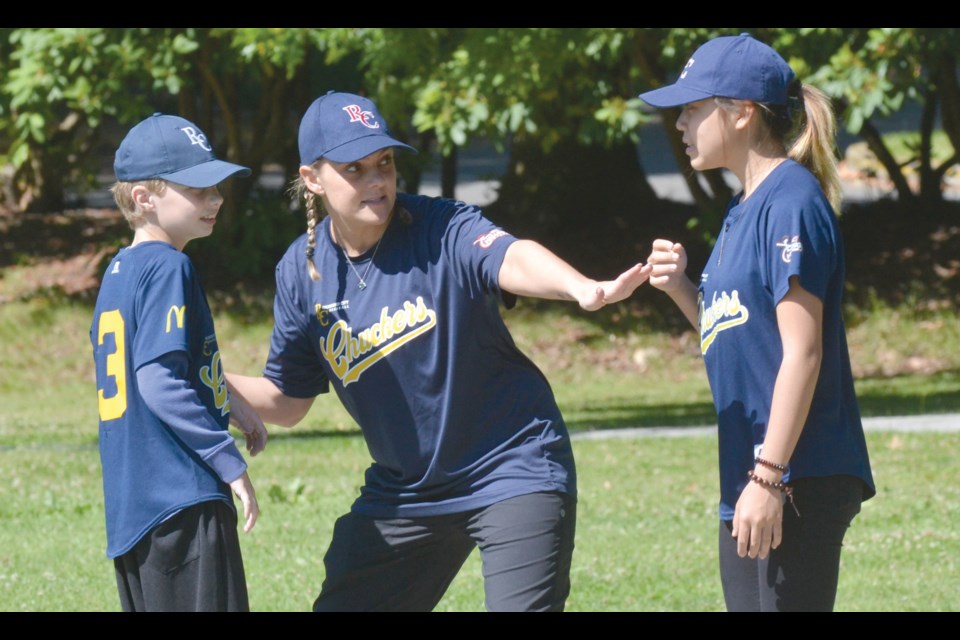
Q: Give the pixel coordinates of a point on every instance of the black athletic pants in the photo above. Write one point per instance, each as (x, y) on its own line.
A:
(189, 562)
(802, 573)
(406, 564)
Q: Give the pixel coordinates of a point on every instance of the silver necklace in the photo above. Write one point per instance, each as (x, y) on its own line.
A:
(362, 280)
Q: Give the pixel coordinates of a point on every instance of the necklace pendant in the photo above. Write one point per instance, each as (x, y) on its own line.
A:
(361, 285)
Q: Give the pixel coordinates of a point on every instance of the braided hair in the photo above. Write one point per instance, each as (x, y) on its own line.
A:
(316, 213)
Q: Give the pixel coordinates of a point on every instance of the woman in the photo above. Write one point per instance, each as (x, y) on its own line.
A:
(768, 307)
(393, 300)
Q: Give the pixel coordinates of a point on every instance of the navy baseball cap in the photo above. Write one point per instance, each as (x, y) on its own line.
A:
(174, 149)
(343, 127)
(739, 67)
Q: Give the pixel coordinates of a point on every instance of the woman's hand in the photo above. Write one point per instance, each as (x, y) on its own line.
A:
(758, 520)
(530, 269)
(244, 418)
(594, 295)
(668, 264)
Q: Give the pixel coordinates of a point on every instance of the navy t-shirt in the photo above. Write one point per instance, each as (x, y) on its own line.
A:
(786, 228)
(454, 415)
(151, 304)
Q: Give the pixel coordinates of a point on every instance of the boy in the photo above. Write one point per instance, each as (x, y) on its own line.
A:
(169, 461)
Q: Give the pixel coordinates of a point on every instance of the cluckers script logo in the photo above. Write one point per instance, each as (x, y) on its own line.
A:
(790, 247)
(724, 311)
(351, 351)
(487, 239)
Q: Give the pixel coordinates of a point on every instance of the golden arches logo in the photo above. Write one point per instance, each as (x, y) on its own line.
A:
(176, 313)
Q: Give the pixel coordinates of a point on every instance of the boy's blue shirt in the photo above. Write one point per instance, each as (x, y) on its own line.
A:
(151, 305)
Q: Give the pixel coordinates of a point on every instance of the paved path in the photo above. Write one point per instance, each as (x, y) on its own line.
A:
(941, 422)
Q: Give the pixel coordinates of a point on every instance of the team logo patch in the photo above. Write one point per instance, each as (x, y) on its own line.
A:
(175, 317)
(683, 74)
(209, 344)
(790, 246)
(357, 114)
(212, 376)
(486, 240)
(323, 311)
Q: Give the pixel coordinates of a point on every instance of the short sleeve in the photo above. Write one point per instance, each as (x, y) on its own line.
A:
(801, 240)
(293, 364)
(475, 248)
(165, 304)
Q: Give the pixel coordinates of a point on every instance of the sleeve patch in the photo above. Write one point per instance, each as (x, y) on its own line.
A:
(486, 240)
(789, 246)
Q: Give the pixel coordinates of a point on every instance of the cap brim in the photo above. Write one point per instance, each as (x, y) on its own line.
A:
(362, 147)
(673, 96)
(206, 174)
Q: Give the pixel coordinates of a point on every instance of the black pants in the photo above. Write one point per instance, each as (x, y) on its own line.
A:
(406, 564)
(189, 562)
(802, 573)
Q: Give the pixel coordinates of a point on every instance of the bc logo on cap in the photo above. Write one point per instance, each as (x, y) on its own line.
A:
(366, 118)
(197, 138)
(687, 66)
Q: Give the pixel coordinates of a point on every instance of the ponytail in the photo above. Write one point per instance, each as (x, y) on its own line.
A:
(815, 142)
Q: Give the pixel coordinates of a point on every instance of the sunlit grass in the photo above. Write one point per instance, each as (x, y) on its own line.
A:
(646, 516)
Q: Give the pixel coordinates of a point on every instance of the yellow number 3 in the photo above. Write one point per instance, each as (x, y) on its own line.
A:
(111, 322)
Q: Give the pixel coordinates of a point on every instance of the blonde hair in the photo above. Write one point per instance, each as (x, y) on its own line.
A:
(123, 196)
(315, 213)
(809, 117)
(815, 144)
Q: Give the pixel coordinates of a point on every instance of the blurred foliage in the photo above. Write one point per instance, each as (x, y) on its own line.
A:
(549, 97)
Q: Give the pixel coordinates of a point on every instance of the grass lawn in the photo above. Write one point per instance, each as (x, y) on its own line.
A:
(646, 532)
(646, 516)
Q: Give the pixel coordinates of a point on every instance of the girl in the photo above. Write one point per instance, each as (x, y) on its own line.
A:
(393, 300)
(768, 308)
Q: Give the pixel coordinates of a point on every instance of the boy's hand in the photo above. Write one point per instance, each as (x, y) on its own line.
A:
(244, 418)
(251, 508)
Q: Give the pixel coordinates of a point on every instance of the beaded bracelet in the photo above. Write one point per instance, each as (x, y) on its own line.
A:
(782, 468)
(779, 486)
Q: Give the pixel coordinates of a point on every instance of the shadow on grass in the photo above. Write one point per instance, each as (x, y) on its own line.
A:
(613, 415)
(312, 433)
(908, 395)
(895, 396)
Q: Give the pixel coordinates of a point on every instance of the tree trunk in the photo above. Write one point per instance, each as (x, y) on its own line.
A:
(875, 142)
(448, 174)
(948, 90)
(929, 179)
